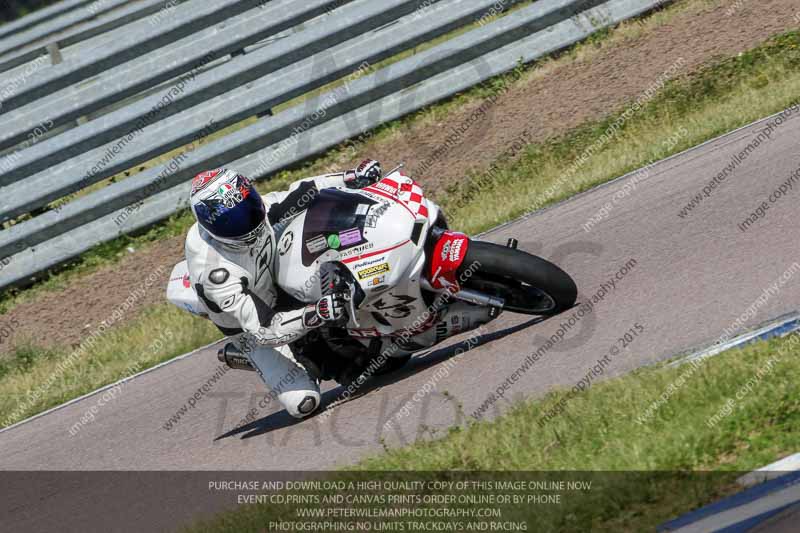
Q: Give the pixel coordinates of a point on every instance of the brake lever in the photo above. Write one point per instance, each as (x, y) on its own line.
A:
(351, 304)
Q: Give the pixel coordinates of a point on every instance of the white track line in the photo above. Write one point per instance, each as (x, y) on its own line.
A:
(771, 471)
(634, 172)
(110, 385)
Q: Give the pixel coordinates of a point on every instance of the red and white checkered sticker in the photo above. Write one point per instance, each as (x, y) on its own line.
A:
(406, 191)
(413, 196)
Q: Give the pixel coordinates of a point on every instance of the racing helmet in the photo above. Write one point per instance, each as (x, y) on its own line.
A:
(228, 207)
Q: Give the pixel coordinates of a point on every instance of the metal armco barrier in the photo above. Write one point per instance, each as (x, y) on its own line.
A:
(72, 26)
(223, 95)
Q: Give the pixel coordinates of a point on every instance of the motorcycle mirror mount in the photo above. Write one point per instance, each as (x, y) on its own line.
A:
(395, 169)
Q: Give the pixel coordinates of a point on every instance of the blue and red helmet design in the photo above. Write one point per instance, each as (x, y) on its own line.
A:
(204, 178)
(228, 207)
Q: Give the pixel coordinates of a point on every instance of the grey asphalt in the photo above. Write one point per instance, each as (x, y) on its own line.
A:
(692, 279)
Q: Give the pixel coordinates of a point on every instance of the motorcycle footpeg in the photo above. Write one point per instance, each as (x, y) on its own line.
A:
(348, 377)
(312, 368)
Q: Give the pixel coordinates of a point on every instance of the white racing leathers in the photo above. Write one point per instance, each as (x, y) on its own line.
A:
(237, 286)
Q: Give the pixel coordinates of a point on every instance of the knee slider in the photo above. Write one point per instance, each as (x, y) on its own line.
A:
(300, 403)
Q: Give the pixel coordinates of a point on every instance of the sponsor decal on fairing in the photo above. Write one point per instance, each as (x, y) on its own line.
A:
(350, 236)
(375, 214)
(317, 244)
(358, 249)
(386, 187)
(455, 250)
(377, 280)
(447, 256)
(334, 242)
(373, 271)
(445, 251)
(368, 262)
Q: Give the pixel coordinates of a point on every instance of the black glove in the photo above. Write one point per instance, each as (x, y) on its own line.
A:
(368, 172)
(329, 309)
(332, 308)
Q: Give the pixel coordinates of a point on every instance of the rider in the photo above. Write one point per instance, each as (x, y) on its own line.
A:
(230, 251)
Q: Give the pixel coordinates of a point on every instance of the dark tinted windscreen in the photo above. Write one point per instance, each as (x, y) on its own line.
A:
(335, 220)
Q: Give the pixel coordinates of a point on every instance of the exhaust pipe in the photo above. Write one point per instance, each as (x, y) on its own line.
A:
(232, 356)
(479, 298)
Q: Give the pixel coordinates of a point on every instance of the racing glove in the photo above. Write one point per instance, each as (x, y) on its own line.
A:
(329, 309)
(368, 172)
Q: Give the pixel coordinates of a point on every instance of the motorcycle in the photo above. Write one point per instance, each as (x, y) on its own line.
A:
(389, 248)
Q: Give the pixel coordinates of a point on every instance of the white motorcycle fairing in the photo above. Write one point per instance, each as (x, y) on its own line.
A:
(412, 282)
(378, 233)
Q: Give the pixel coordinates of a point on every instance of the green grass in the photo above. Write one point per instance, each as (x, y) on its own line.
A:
(687, 112)
(700, 106)
(464, 215)
(33, 379)
(643, 471)
(112, 252)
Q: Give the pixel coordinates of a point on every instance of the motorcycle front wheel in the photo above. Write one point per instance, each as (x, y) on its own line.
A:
(528, 284)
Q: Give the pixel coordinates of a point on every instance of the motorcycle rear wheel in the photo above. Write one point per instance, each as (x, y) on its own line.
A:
(528, 284)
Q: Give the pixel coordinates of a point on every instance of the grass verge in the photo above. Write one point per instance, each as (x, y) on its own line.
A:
(643, 464)
(111, 252)
(33, 379)
(108, 253)
(686, 112)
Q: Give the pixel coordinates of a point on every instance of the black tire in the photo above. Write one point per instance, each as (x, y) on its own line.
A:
(529, 284)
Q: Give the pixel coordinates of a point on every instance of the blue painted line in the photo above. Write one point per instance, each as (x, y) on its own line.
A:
(779, 327)
(748, 524)
(737, 500)
(780, 331)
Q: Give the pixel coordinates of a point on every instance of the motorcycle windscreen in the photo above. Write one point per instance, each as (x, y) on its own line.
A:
(334, 221)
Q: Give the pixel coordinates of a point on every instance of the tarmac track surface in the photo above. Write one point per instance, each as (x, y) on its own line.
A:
(692, 278)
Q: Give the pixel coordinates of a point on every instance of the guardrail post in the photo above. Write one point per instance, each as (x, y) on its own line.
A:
(55, 53)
